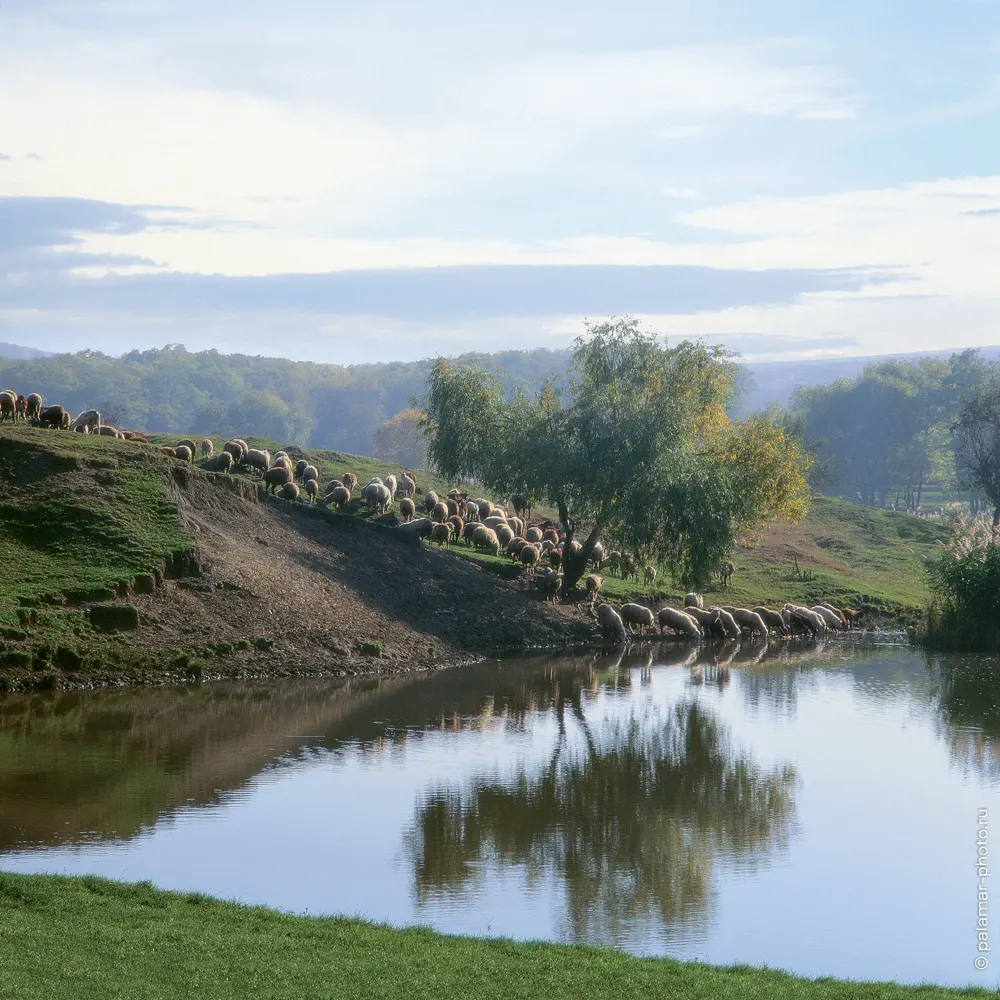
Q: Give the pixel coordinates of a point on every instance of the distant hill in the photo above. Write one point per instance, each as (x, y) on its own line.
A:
(15, 352)
(775, 381)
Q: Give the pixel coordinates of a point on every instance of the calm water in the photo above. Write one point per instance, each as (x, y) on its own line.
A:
(814, 809)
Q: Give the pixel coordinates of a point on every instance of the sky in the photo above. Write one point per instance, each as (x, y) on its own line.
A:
(390, 181)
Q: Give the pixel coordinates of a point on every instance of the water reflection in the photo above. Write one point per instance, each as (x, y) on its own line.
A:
(629, 820)
(968, 696)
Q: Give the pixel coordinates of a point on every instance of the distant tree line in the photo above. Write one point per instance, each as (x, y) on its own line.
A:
(887, 436)
(316, 405)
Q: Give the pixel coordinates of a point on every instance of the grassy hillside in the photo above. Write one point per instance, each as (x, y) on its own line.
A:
(65, 937)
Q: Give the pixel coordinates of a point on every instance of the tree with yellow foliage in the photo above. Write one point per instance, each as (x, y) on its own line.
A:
(637, 452)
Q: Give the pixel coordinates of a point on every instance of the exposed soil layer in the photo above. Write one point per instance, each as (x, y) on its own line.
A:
(318, 593)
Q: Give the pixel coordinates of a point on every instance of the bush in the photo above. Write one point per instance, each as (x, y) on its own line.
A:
(965, 612)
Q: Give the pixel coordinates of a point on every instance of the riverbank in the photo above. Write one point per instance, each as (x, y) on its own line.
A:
(72, 937)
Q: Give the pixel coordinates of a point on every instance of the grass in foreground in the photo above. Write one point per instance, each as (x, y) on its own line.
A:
(62, 937)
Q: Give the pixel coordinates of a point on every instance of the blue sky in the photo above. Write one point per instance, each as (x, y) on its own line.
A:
(390, 181)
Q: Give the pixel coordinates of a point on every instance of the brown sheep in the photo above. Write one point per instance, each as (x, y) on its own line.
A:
(594, 584)
(441, 533)
(290, 491)
(34, 406)
(8, 406)
(207, 448)
(457, 526)
(276, 477)
(340, 497)
(350, 480)
(224, 463)
(438, 511)
(312, 488)
(183, 452)
(430, 500)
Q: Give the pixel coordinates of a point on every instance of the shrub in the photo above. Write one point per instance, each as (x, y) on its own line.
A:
(965, 612)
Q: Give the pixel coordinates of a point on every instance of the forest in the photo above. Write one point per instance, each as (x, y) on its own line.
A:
(883, 437)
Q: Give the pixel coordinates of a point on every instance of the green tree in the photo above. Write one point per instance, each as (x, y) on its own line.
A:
(400, 440)
(977, 437)
(637, 450)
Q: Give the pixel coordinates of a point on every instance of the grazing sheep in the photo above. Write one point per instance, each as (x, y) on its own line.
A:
(469, 530)
(495, 521)
(106, 430)
(34, 406)
(514, 547)
(22, 408)
(598, 556)
(486, 539)
(610, 620)
(710, 621)
(416, 529)
(772, 619)
(333, 484)
(406, 509)
(224, 463)
(290, 491)
(555, 557)
(727, 573)
(649, 574)
(832, 619)
(257, 460)
(630, 566)
(804, 618)
(190, 445)
(550, 535)
(390, 484)
(485, 508)
(733, 631)
(840, 614)
(529, 557)
(283, 462)
(281, 454)
(694, 601)
(748, 621)
(207, 448)
(88, 422)
(504, 535)
(350, 480)
(168, 451)
(234, 448)
(548, 582)
(457, 526)
(311, 472)
(430, 501)
(300, 466)
(182, 451)
(439, 512)
(678, 621)
(339, 496)
(406, 487)
(277, 477)
(8, 406)
(852, 617)
(441, 533)
(636, 614)
(594, 584)
(378, 497)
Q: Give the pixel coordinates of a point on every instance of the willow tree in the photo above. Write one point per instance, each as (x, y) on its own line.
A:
(637, 452)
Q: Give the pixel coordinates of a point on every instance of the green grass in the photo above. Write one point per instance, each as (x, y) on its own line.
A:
(80, 514)
(89, 937)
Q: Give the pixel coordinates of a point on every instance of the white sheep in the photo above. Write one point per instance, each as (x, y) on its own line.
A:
(678, 621)
(207, 448)
(636, 614)
(832, 618)
(257, 460)
(748, 620)
(88, 422)
(406, 509)
(610, 620)
(485, 538)
(694, 601)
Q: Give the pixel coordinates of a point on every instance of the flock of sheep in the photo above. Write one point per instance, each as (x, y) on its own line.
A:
(488, 527)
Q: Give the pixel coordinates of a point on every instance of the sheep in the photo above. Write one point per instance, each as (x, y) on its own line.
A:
(472, 511)
(694, 601)
(804, 618)
(333, 484)
(486, 539)
(350, 480)
(190, 445)
(772, 619)
(529, 557)
(504, 535)
(594, 584)
(416, 529)
(457, 525)
(649, 574)
(290, 491)
(224, 463)
(168, 451)
(311, 472)
(106, 430)
(548, 581)
(514, 547)
(727, 573)
(8, 405)
(636, 614)
(615, 562)
(844, 623)
(629, 567)
(234, 448)
(441, 533)
(550, 535)
(377, 496)
(610, 621)
(495, 521)
(181, 451)
(678, 621)
(710, 621)
(88, 422)
(748, 620)
(340, 497)
(832, 619)
(21, 410)
(733, 630)
(283, 462)
(406, 487)
(406, 508)
(281, 454)
(300, 466)
(390, 483)
(277, 476)
(597, 555)
(516, 525)
(469, 530)
(555, 557)
(34, 406)
(439, 512)
(207, 448)
(485, 508)
(257, 460)
(430, 500)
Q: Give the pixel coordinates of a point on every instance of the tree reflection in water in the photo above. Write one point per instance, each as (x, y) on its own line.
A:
(968, 696)
(630, 820)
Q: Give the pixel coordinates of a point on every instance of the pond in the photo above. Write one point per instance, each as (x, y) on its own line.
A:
(815, 808)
